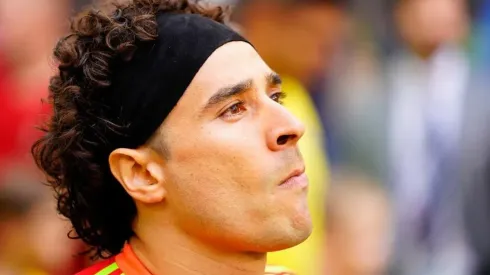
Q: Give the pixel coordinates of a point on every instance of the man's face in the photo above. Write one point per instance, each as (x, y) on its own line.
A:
(298, 40)
(26, 26)
(231, 145)
(310, 37)
(429, 23)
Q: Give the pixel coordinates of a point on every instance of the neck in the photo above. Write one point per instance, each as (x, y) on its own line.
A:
(176, 253)
(425, 52)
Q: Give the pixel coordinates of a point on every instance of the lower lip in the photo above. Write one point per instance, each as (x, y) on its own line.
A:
(300, 181)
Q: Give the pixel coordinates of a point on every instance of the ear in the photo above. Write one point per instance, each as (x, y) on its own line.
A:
(140, 172)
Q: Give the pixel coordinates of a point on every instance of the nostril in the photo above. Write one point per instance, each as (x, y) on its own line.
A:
(283, 139)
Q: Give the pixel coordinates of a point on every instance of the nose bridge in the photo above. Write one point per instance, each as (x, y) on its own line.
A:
(283, 128)
(292, 121)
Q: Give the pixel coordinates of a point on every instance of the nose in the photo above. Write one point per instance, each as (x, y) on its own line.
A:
(284, 130)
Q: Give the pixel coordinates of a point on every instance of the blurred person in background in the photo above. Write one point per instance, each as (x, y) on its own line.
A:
(429, 89)
(28, 31)
(32, 237)
(407, 118)
(297, 39)
(477, 194)
(477, 160)
(358, 226)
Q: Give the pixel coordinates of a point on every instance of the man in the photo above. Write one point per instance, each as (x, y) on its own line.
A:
(27, 217)
(24, 72)
(412, 121)
(169, 147)
(359, 224)
(297, 38)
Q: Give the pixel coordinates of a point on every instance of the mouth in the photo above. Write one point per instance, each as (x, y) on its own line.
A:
(297, 179)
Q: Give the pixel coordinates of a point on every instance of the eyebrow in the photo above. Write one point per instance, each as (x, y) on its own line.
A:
(223, 94)
(228, 92)
(273, 79)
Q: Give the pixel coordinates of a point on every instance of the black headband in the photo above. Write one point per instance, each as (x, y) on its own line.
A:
(146, 89)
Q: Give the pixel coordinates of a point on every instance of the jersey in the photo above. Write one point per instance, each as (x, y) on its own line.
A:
(127, 263)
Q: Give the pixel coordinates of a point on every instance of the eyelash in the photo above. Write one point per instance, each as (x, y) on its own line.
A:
(280, 97)
(227, 113)
(277, 97)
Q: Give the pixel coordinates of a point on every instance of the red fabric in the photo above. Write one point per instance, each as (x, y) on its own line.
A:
(128, 262)
(19, 119)
(98, 267)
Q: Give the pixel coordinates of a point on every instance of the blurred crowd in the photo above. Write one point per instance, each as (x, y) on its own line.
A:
(395, 97)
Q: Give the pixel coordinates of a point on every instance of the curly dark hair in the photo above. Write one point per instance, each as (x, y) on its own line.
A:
(73, 153)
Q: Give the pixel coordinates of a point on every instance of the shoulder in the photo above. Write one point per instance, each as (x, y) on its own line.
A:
(277, 270)
(106, 267)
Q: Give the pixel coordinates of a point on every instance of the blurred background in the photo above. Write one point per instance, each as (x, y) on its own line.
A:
(395, 95)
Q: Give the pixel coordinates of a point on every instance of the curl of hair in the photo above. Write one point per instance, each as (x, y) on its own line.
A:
(73, 152)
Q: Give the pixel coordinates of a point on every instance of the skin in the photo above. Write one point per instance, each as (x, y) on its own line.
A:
(24, 21)
(215, 204)
(427, 24)
(296, 40)
(43, 235)
(359, 228)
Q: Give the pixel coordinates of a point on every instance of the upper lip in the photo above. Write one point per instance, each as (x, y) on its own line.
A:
(296, 172)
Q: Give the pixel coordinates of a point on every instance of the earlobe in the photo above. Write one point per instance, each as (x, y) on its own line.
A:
(139, 173)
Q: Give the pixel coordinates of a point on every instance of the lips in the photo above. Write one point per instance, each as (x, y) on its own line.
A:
(297, 178)
(295, 173)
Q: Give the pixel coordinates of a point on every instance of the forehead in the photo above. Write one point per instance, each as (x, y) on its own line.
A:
(228, 65)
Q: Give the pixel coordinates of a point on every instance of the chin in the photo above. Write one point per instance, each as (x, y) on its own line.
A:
(301, 225)
(290, 242)
(301, 233)
(289, 235)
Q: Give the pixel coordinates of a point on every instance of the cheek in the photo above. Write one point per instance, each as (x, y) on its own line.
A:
(207, 196)
(218, 175)
(233, 152)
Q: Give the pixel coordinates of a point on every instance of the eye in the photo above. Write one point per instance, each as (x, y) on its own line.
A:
(234, 110)
(278, 97)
